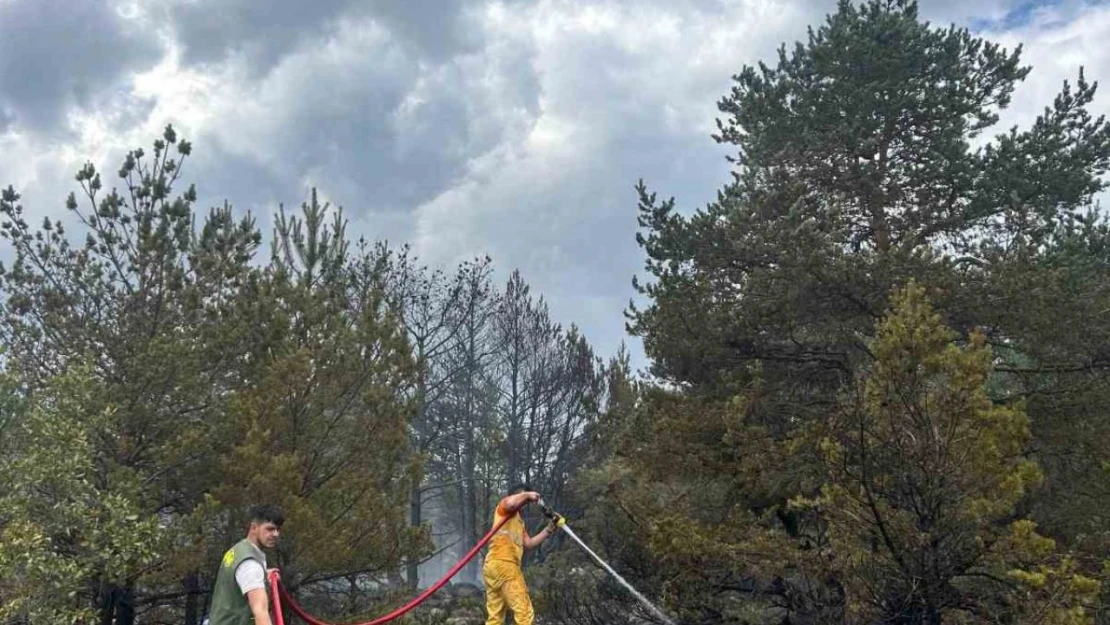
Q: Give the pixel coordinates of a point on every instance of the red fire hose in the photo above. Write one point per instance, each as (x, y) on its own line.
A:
(280, 595)
(275, 586)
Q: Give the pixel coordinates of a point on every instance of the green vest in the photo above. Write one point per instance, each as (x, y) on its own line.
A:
(229, 605)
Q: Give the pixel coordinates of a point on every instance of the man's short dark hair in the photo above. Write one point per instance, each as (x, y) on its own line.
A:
(266, 513)
(519, 487)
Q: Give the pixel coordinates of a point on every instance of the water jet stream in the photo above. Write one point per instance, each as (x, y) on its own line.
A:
(656, 612)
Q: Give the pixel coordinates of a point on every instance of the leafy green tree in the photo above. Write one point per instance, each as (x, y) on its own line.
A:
(64, 533)
(217, 383)
(150, 299)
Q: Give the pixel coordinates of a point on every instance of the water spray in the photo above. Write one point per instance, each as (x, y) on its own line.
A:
(562, 523)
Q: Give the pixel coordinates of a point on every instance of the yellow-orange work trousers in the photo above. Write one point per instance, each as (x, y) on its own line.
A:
(505, 586)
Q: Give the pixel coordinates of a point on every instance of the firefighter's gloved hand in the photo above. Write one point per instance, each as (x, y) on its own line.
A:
(557, 521)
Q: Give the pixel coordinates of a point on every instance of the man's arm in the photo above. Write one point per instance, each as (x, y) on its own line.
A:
(260, 606)
(251, 578)
(531, 542)
(513, 503)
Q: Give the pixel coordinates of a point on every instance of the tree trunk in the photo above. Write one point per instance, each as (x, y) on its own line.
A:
(125, 605)
(513, 473)
(116, 605)
(106, 605)
(352, 594)
(192, 599)
(467, 486)
(470, 513)
(412, 567)
(461, 524)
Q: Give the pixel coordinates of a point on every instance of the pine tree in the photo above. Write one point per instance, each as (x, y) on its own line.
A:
(857, 170)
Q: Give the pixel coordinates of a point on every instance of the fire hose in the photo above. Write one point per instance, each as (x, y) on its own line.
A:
(280, 595)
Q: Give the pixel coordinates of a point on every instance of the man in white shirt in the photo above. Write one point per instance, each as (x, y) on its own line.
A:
(239, 597)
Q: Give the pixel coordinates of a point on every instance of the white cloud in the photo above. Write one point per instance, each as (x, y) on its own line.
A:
(1057, 42)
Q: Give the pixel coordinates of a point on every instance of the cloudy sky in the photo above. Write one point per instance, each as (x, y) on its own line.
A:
(515, 128)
